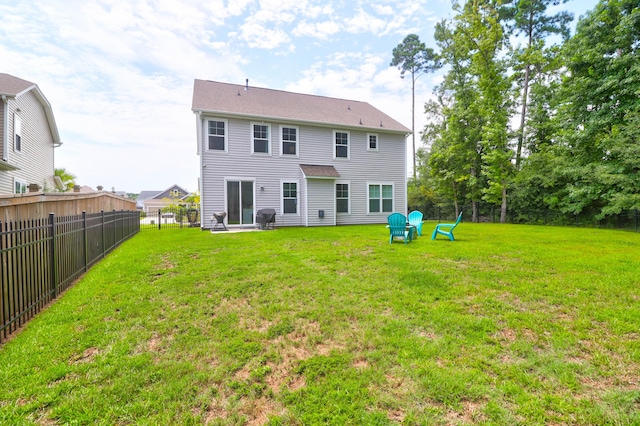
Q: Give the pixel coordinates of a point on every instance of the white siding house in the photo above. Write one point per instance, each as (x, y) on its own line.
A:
(316, 160)
(28, 135)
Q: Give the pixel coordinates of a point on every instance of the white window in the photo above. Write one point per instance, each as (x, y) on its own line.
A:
(20, 186)
(372, 141)
(17, 129)
(217, 135)
(289, 137)
(175, 193)
(380, 198)
(290, 197)
(342, 197)
(260, 138)
(341, 140)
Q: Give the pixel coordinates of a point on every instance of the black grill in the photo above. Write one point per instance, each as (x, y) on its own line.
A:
(220, 221)
(266, 218)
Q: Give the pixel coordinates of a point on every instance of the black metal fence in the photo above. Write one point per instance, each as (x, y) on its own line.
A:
(41, 258)
(628, 220)
(170, 217)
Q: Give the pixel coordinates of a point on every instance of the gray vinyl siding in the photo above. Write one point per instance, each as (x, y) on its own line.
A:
(36, 159)
(315, 146)
(323, 191)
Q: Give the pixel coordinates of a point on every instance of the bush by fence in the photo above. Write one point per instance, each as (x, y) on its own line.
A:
(41, 258)
(626, 220)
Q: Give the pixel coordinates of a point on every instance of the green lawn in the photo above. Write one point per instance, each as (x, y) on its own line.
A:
(510, 324)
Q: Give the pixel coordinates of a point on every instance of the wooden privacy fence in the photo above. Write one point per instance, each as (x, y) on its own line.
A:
(41, 258)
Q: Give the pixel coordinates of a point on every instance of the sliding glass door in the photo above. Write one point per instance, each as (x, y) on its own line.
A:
(240, 202)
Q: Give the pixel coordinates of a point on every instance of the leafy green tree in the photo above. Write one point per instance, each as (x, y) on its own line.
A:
(454, 132)
(413, 57)
(528, 18)
(480, 33)
(68, 179)
(598, 115)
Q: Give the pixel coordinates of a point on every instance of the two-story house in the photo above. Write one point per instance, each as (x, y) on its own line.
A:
(28, 136)
(315, 160)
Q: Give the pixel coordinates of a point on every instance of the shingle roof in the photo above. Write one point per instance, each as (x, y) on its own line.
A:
(13, 86)
(10, 85)
(314, 171)
(234, 100)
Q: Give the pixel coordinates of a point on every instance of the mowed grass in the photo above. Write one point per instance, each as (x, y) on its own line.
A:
(508, 325)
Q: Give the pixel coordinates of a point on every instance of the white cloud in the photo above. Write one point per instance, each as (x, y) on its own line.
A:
(319, 30)
(256, 35)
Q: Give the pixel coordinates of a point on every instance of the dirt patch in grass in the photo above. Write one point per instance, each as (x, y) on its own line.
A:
(87, 356)
(471, 413)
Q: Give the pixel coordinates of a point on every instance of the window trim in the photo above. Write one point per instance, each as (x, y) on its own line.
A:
(226, 135)
(252, 139)
(297, 198)
(369, 143)
(393, 195)
(350, 190)
(335, 145)
(282, 141)
(17, 133)
(23, 184)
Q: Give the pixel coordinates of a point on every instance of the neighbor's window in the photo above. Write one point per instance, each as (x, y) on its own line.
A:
(290, 197)
(20, 187)
(217, 135)
(342, 144)
(342, 197)
(17, 129)
(290, 141)
(260, 135)
(380, 198)
(372, 142)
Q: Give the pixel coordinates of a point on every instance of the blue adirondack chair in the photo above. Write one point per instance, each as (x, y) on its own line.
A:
(415, 219)
(397, 224)
(448, 228)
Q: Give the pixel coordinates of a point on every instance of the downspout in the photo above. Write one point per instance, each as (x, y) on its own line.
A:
(5, 136)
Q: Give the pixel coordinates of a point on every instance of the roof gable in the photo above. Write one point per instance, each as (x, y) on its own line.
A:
(234, 100)
(13, 87)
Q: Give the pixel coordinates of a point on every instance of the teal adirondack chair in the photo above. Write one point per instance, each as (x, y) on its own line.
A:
(397, 224)
(448, 228)
(415, 219)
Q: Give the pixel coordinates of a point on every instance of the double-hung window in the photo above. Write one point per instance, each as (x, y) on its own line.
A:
(17, 130)
(372, 142)
(342, 197)
(20, 186)
(341, 140)
(380, 198)
(290, 197)
(289, 136)
(260, 136)
(217, 135)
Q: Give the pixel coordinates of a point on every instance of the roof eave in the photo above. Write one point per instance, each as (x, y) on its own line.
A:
(227, 114)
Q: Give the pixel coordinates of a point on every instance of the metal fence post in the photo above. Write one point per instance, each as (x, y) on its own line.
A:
(159, 218)
(102, 230)
(53, 258)
(85, 240)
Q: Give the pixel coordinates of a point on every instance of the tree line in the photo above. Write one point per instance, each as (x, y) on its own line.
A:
(527, 117)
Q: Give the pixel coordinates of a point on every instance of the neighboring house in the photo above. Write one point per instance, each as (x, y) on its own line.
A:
(28, 135)
(152, 201)
(315, 160)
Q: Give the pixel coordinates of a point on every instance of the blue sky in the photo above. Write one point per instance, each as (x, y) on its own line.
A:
(119, 74)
